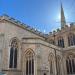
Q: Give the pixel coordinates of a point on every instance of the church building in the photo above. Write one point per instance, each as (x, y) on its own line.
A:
(27, 51)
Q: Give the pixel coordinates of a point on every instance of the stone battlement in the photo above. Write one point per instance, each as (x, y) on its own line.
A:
(66, 28)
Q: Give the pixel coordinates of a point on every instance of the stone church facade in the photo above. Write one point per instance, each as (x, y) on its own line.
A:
(26, 51)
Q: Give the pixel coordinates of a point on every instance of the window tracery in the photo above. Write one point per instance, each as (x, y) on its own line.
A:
(61, 42)
(51, 63)
(71, 39)
(13, 54)
(70, 64)
(29, 63)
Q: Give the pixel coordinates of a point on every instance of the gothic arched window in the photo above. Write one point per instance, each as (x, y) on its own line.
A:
(51, 62)
(71, 40)
(61, 42)
(13, 54)
(70, 64)
(51, 68)
(29, 63)
(58, 65)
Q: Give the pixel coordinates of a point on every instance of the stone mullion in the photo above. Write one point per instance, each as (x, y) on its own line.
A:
(72, 66)
(51, 67)
(28, 65)
(72, 41)
(31, 64)
(33, 60)
(59, 66)
(25, 65)
(50, 71)
(13, 56)
(68, 65)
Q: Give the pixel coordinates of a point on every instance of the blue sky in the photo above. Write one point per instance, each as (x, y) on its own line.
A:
(40, 14)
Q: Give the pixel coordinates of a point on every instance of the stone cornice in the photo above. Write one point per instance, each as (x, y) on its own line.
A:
(69, 48)
(66, 29)
(14, 70)
(22, 25)
(39, 41)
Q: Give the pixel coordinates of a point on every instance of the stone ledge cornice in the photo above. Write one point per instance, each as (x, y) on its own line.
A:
(69, 48)
(22, 25)
(15, 70)
(39, 41)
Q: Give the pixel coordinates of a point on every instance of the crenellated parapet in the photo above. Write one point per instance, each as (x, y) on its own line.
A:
(66, 28)
(62, 34)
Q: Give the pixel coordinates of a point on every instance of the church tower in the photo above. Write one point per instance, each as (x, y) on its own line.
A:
(63, 21)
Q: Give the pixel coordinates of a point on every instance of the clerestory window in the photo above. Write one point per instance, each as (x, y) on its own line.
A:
(71, 40)
(61, 42)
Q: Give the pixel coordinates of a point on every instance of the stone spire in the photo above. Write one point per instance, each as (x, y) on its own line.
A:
(63, 21)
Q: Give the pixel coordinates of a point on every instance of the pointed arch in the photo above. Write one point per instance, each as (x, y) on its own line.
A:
(51, 63)
(14, 46)
(70, 63)
(50, 56)
(71, 39)
(58, 57)
(29, 61)
(12, 39)
(29, 50)
(61, 41)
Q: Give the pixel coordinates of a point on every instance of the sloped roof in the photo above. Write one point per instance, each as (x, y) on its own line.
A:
(23, 25)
